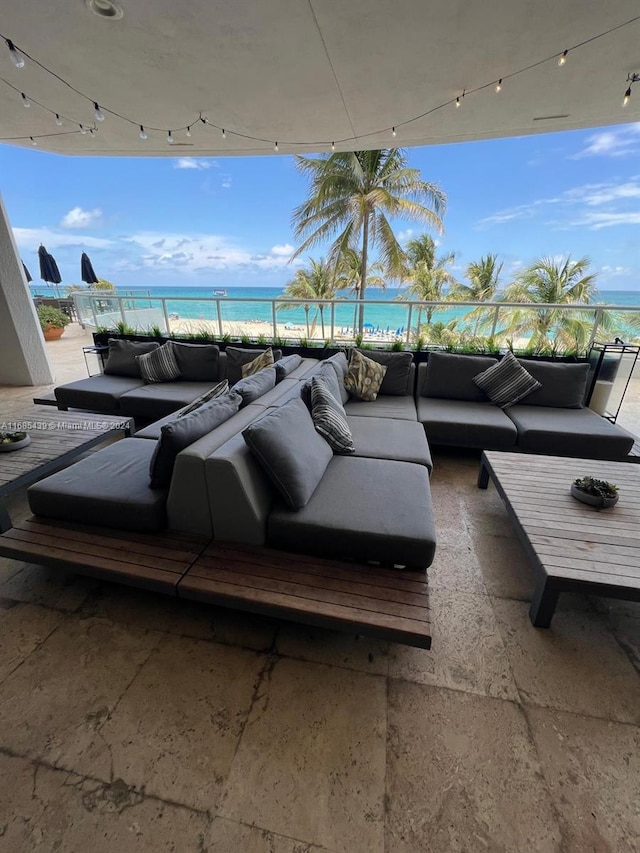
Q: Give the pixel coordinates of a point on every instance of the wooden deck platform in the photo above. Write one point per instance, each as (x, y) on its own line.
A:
(392, 604)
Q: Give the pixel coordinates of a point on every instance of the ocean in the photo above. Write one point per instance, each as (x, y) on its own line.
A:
(390, 316)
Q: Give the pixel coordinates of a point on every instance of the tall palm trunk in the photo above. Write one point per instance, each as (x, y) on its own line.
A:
(365, 252)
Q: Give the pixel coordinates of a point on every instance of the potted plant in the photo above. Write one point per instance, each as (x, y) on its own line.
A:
(52, 321)
(595, 492)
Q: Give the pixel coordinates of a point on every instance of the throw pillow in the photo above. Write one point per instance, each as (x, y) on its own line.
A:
(252, 387)
(236, 357)
(396, 379)
(121, 360)
(364, 377)
(218, 390)
(290, 451)
(197, 362)
(182, 432)
(329, 418)
(285, 366)
(506, 382)
(265, 359)
(159, 365)
(328, 375)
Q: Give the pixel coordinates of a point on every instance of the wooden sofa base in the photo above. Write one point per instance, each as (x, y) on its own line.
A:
(390, 604)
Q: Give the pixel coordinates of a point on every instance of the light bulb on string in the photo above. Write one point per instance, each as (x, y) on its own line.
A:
(33, 142)
(275, 147)
(393, 132)
(143, 134)
(16, 58)
(188, 133)
(458, 101)
(58, 120)
(83, 130)
(499, 85)
(563, 58)
(224, 135)
(170, 138)
(627, 97)
(97, 114)
(25, 101)
(333, 146)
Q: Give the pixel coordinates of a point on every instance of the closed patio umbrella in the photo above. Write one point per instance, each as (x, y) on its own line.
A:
(49, 271)
(27, 274)
(86, 270)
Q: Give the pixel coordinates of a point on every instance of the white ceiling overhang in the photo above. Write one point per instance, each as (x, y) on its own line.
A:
(307, 73)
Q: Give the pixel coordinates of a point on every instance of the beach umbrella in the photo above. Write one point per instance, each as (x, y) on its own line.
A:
(86, 270)
(49, 271)
(27, 274)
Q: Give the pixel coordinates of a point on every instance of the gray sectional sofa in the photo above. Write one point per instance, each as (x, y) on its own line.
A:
(373, 505)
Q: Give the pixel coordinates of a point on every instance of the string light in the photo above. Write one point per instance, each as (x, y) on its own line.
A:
(188, 133)
(83, 130)
(333, 146)
(631, 79)
(143, 135)
(25, 101)
(275, 146)
(16, 58)
(224, 135)
(458, 101)
(33, 142)
(98, 114)
(563, 58)
(58, 120)
(499, 85)
(170, 138)
(393, 132)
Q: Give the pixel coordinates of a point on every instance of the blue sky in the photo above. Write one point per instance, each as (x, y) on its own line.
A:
(227, 221)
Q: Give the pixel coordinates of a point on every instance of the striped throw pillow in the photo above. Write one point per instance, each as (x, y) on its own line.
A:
(159, 365)
(506, 382)
(218, 390)
(329, 417)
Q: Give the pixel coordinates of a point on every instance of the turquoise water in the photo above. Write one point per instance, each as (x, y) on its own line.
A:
(392, 315)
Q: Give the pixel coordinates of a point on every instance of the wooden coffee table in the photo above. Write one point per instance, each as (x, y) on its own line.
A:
(573, 547)
(57, 438)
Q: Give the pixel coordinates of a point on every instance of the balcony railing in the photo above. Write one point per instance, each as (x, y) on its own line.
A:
(338, 320)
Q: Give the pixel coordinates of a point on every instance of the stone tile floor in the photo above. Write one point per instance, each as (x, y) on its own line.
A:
(129, 721)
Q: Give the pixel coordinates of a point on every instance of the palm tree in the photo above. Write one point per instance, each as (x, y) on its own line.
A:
(349, 276)
(352, 194)
(315, 282)
(427, 274)
(483, 277)
(562, 282)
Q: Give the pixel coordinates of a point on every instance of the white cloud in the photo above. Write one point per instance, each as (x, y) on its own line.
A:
(193, 163)
(286, 250)
(522, 211)
(79, 218)
(226, 182)
(403, 236)
(612, 143)
(596, 221)
(595, 194)
(201, 252)
(611, 271)
(30, 238)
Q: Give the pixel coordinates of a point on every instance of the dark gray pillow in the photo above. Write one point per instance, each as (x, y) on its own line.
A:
(398, 364)
(182, 432)
(197, 362)
(285, 366)
(563, 386)
(450, 376)
(290, 451)
(253, 387)
(341, 366)
(236, 357)
(122, 357)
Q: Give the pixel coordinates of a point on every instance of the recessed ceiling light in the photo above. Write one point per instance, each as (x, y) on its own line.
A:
(105, 9)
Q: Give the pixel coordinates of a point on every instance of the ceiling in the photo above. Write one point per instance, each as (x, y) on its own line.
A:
(306, 73)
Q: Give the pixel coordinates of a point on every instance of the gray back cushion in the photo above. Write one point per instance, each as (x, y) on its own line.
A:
(182, 432)
(290, 451)
(341, 366)
(252, 387)
(563, 386)
(197, 362)
(328, 374)
(398, 364)
(122, 356)
(285, 366)
(450, 376)
(236, 357)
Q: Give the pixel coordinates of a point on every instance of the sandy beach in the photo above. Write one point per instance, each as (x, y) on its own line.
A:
(258, 328)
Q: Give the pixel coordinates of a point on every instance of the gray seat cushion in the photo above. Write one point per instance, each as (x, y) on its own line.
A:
(569, 432)
(403, 408)
(161, 398)
(465, 424)
(341, 519)
(109, 488)
(97, 393)
(385, 438)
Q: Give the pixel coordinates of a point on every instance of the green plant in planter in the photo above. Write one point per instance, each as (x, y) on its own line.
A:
(52, 318)
(597, 488)
(262, 340)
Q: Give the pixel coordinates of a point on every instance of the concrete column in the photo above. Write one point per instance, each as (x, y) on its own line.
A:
(23, 355)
